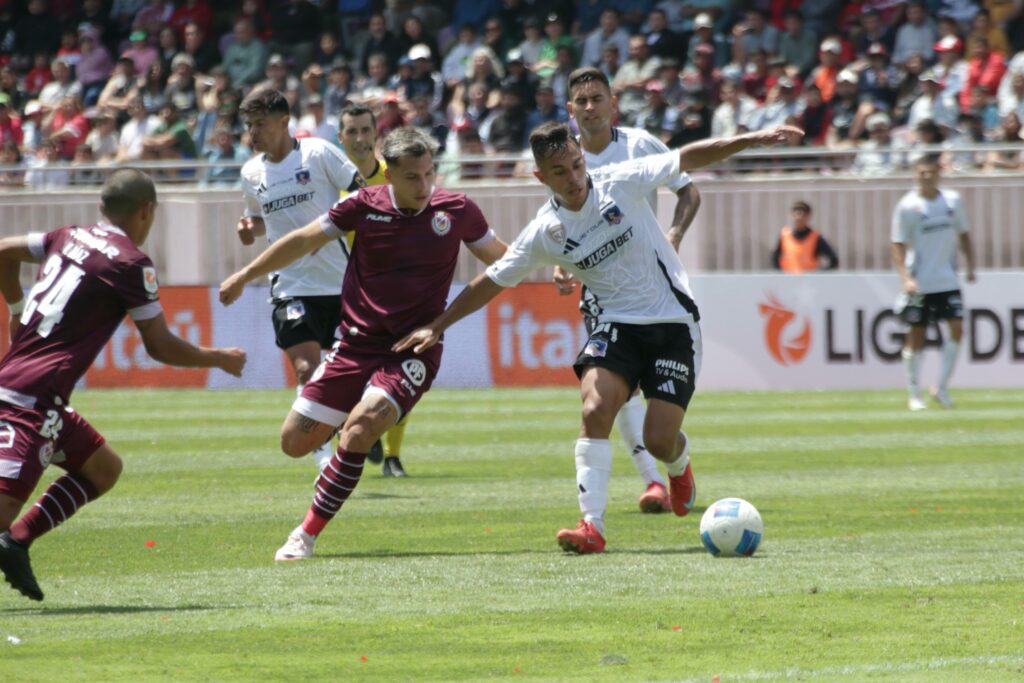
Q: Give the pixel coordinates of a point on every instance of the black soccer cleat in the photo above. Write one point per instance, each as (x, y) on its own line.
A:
(376, 453)
(393, 467)
(17, 569)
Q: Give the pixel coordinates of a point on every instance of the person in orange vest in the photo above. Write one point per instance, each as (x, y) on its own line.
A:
(801, 248)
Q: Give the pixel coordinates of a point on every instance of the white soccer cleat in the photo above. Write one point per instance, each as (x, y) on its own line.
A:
(941, 396)
(299, 546)
(916, 404)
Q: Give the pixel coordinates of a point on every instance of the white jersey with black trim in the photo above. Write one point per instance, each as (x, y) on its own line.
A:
(634, 143)
(930, 229)
(613, 245)
(291, 194)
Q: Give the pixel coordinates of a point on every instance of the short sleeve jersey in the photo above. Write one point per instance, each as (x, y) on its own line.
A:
(633, 143)
(613, 245)
(930, 229)
(89, 279)
(293, 193)
(401, 265)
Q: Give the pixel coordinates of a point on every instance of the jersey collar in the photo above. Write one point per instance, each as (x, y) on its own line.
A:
(111, 228)
(394, 202)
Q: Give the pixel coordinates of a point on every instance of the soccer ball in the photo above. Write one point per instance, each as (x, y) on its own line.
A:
(731, 527)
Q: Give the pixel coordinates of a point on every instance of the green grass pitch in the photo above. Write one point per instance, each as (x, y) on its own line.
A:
(894, 549)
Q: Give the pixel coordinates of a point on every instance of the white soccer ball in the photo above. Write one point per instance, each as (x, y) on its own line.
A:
(731, 527)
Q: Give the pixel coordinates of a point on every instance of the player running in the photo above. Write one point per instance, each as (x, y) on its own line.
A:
(287, 184)
(358, 136)
(90, 278)
(592, 104)
(928, 225)
(600, 227)
(408, 236)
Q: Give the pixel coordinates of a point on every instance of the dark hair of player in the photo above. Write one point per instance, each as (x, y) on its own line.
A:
(354, 110)
(264, 101)
(126, 191)
(407, 142)
(587, 74)
(550, 138)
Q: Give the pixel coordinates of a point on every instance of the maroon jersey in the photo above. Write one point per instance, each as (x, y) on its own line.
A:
(401, 265)
(89, 278)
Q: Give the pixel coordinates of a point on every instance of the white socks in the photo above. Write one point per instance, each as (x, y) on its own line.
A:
(593, 469)
(678, 466)
(912, 363)
(630, 422)
(950, 350)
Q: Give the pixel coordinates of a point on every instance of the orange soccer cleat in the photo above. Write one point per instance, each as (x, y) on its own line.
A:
(655, 499)
(683, 492)
(584, 539)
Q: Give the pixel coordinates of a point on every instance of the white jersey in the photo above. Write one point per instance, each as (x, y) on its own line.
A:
(613, 245)
(293, 193)
(930, 229)
(633, 143)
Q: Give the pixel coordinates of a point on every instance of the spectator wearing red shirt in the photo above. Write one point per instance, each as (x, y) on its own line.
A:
(985, 69)
(39, 75)
(10, 126)
(68, 127)
(191, 11)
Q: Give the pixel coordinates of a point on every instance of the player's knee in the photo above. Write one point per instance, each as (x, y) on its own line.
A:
(598, 415)
(303, 370)
(106, 474)
(661, 445)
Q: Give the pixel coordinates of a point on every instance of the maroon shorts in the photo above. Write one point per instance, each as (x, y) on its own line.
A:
(32, 439)
(348, 373)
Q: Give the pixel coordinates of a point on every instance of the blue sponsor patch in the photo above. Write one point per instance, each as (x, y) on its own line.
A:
(728, 509)
(596, 348)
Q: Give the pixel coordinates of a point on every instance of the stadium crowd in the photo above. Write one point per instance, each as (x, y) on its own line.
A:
(96, 82)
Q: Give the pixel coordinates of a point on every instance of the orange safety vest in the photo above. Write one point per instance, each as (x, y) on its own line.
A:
(797, 256)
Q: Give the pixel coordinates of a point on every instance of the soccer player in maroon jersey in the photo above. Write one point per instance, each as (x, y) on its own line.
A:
(91, 276)
(408, 236)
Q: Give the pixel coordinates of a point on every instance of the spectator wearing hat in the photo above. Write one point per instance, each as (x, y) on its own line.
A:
(846, 117)
(801, 248)
(985, 69)
(663, 42)
(702, 74)
(824, 75)
(524, 81)
(391, 115)
(10, 126)
(181, 88)
(94, 65)
(631, 79)
(797, 45)
(378, 40)
(340, 86)
(931, 105)
(609, 32)
(691, 9)
(753, 33)
(533, 41)
(951, 67)
(63, 85)
(556, 37)
(704, 34)
(425, 81)
(916, 35)
(732, 116)
(246, 57)
(102, 140)
(546, 109)
(658, 117)
(453, 68)
(32, 127)
(140, 52)
(204, 53)
(876, 155)
(879, 81)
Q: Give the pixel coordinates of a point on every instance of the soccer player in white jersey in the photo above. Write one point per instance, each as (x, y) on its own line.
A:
(600, 227)
(928, 225)
(592, 104)
(286, 185)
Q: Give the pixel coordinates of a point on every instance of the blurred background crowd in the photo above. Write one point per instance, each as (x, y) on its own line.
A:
(90, 82)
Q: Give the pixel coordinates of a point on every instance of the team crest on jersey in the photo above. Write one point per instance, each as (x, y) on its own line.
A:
(302, 176)
(6, 434)
(149, 280)
(441, 223)
(415, 370)
(613, 214)
(46, 454)
(557, 233)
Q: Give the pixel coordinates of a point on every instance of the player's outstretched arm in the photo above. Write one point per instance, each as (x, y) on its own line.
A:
(289, 248)
(687, 204)
(709, 151)
(490, 252)
(475, 296)
(164, 346)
